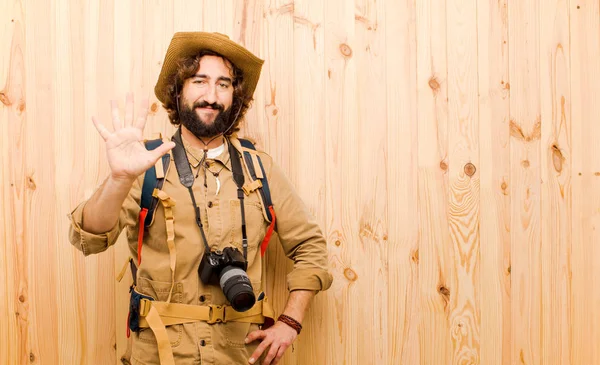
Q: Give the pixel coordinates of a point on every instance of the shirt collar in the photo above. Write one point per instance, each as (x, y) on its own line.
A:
(194, 154)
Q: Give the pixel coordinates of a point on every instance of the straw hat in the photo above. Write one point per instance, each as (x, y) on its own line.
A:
(186, 44)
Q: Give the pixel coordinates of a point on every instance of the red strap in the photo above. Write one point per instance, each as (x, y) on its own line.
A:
(143, 214)
(128, 330)
(265, 242)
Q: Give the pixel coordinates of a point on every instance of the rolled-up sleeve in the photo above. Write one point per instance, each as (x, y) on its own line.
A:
(91, 243)
(300, 236)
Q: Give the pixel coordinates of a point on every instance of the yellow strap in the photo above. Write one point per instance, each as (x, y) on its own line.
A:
(168, 203)
(122, 273)
(160, 172)
(165, 353)
(257, 168)
(250, 187)
(175, 313)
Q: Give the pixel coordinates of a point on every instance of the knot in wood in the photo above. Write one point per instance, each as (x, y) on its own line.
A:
(346, 50)
(350, 274)
(434, 84)
(470, 169)
(4, 99)
(444, 291)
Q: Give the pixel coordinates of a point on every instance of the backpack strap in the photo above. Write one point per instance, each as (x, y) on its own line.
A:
(152, 180)
(258, 173)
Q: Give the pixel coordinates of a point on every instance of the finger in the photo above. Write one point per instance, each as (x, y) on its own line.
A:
(115, 115)
(280, 353)
(255, 335)
(143, 115)
(259, 350)
(272, 353)
(129, 109)
(104, 133)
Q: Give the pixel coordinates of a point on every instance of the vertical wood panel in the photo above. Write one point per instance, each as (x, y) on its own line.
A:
(370, 250)
(463, 157)
(68, 98)
(39, 147)
(15, 305)
(585, 77)
(341, 177)
(435, 246)
(555, 154)
(403, 236)
(494, 170)
(525, 129)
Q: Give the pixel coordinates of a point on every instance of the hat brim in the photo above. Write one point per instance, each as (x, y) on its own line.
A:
(188, 44)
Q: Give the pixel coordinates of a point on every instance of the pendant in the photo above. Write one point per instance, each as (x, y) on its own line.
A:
(218, 185)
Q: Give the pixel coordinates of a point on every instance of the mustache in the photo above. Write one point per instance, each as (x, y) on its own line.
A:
(204, 104)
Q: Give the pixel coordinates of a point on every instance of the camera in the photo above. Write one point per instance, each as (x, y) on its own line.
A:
(228, 269)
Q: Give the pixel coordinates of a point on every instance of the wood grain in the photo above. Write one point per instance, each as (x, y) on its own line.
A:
(448, 150)
(494, 174)
(463, 179)
(341, 177)
(585, 159)
(555, 101)
(435, 246)
(15, 307)
(525, 190)
(402, 206)
(370, 251)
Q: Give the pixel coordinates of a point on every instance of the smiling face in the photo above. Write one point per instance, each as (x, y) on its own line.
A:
(206, 98)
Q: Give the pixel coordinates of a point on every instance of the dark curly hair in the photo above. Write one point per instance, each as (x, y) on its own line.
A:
(186, 68)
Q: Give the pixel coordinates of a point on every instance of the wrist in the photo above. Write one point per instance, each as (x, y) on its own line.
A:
(290, 322)
(121, 181)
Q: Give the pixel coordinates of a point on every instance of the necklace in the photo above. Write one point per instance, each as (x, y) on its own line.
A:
(203, 164)
(215, 174)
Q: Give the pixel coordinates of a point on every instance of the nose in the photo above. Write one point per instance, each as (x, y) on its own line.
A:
(211, 95)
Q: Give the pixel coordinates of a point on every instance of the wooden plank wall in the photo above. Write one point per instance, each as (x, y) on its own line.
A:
(450, 150)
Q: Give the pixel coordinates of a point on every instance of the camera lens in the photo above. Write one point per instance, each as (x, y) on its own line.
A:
(237, 288)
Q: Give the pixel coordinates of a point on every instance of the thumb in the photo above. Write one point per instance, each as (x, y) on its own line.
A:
(162, 149)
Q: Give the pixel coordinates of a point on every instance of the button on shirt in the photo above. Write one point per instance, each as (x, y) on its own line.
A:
(297, 230)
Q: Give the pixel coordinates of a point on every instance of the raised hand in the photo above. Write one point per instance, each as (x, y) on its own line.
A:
(127, 156)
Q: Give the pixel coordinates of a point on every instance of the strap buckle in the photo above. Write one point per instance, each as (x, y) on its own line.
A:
(216, 314)
(145, 306)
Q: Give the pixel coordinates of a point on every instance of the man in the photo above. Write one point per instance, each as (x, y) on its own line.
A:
(206, 85)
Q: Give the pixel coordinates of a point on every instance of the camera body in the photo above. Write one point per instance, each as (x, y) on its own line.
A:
(213, 262)
(228, 269)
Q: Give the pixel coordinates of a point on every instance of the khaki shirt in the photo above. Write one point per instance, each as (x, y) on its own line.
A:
(298, 231)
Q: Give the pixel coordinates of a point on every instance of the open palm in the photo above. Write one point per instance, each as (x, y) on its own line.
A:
(127, 156)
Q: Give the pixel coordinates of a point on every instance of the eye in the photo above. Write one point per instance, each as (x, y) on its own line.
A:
(224, 85)
(200, 82)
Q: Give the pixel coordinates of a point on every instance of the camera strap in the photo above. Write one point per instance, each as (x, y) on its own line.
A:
(186, 177)
(238, 177)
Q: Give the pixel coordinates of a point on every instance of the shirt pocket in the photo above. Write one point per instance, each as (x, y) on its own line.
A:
(159, 290)
(255, 225)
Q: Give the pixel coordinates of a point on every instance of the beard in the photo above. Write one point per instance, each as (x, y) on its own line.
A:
(190, 119)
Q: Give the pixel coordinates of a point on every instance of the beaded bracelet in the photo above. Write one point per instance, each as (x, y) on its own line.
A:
(290, 322)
